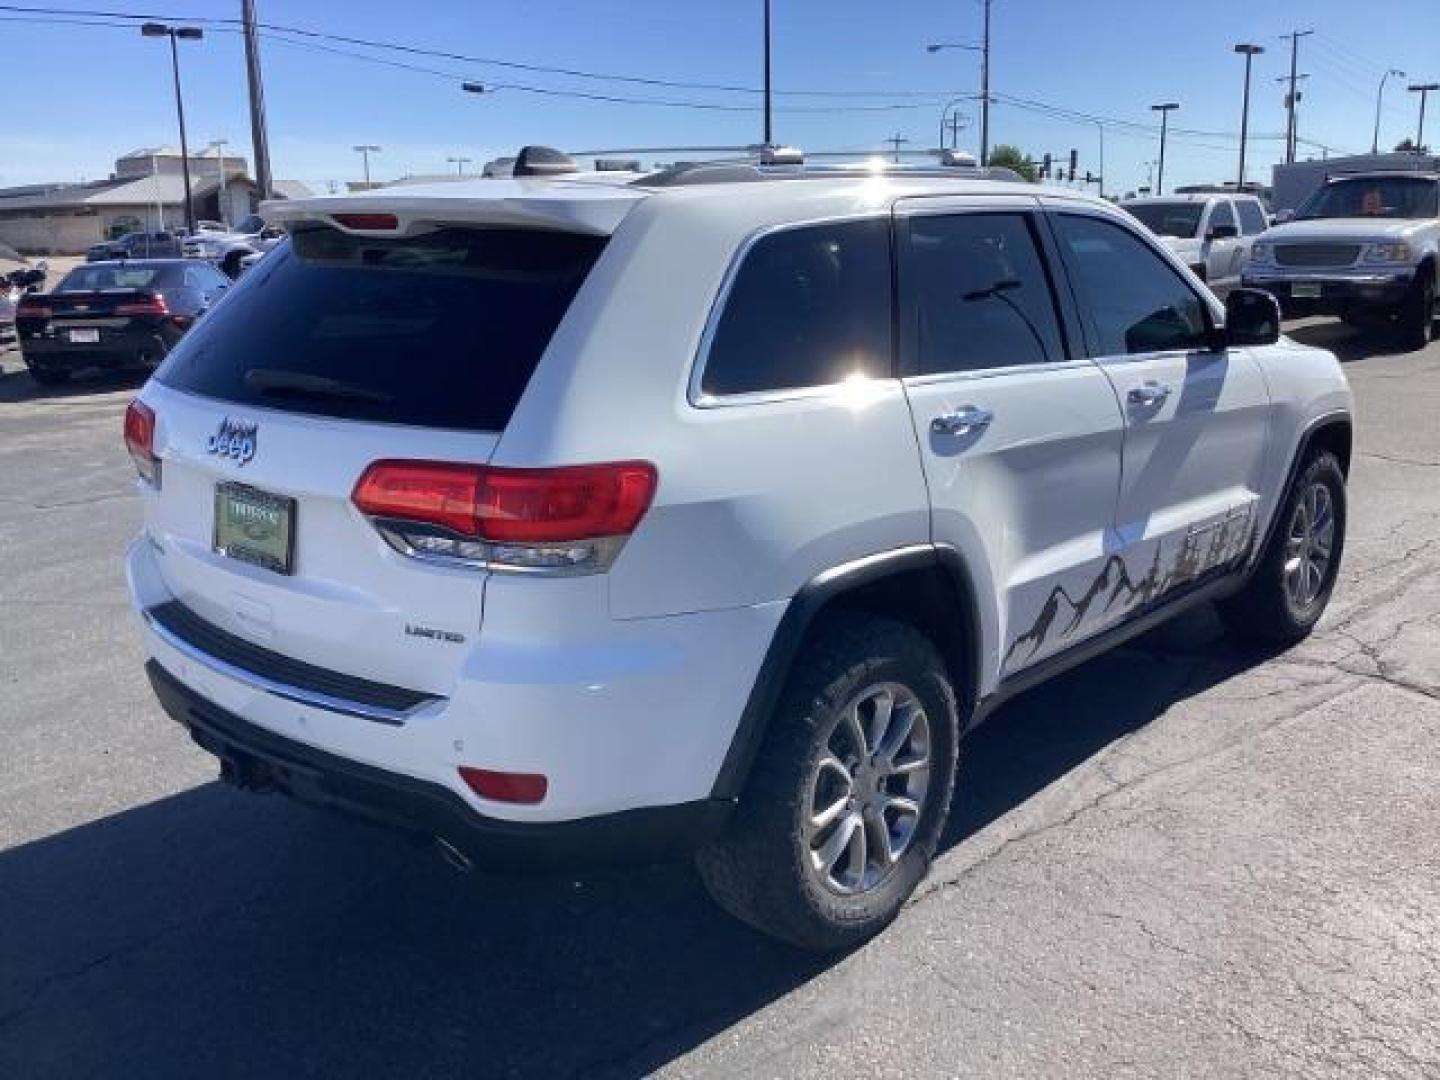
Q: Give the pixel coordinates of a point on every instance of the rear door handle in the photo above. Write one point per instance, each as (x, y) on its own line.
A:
(963, 421)
(1148, 393)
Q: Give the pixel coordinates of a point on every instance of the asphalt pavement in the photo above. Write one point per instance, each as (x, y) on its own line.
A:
(1182, 859)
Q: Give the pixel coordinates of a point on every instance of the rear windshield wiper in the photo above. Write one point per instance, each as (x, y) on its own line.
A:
(279, 383)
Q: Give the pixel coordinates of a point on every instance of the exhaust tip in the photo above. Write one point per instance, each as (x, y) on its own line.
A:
(457, 859)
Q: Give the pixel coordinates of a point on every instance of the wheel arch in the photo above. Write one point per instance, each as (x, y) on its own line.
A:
(929, 587)
(1333, 432)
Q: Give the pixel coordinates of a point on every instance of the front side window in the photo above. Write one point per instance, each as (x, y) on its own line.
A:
(1252, 217)
(1136, 302)
(808, 307)
(975, 295)
(1221, 215)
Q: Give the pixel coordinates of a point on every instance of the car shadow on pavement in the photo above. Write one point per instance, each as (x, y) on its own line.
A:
(1348, 343)
(214, 933)
(16, 385)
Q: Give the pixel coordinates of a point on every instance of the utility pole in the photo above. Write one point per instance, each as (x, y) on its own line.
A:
(459, 163)
(259, 140)
(1290, 98)
(896, 141)
(985, 89)
(1379, 99)
(1292, 114)
(769, 134)
(1164, 111)
(1249, 52)
(365, 150)
(1423, 89)
(222, 197)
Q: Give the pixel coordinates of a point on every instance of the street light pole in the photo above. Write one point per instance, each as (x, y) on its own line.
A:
(222, 196)
(1164, 111)
(174, 33)
(768, 131)
(1249, 52)
(459, 163)
(1423, 89)
(1379, 98)
(1101, 128)
(984, 50)
(365, 150)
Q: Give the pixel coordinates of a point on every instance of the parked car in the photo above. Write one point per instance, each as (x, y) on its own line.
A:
(1211, 234)
(228, 250)
(583, 519)
(1365, 248)
(114, 314)
(136, 245)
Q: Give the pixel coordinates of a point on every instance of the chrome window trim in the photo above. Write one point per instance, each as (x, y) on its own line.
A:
(313, 698)
(694, 394)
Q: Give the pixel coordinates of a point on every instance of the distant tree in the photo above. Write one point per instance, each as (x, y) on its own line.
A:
(1011, 157)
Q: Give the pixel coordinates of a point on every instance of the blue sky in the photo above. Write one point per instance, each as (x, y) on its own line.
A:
(88, 93)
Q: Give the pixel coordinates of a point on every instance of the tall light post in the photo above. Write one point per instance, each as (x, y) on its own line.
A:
(768, 132)
(1101, 129)
(1379, 98)
(178, 33)
(1423, 89)
(365, 150)
(459, 163)
(1164, 111)
(983, 50)
(1249, 52)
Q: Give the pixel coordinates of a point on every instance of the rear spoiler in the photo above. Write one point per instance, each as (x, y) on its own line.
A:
(593, 209)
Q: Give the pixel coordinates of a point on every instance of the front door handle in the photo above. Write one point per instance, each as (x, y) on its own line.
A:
(963, 421)
(1147, 394)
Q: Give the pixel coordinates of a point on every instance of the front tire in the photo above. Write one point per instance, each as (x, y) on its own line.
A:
(1292, 583)
(849, 793)
(1417, 313)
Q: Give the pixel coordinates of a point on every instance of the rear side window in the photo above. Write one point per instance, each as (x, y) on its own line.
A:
(975, 295)
(1221, 214)
(1252, 218)
(809, 306)
(103, 276)
(438, 330)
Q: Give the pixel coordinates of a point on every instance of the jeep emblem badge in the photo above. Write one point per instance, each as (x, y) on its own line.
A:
(233, 439)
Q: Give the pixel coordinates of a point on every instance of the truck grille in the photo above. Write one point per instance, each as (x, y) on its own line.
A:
(1316, 254)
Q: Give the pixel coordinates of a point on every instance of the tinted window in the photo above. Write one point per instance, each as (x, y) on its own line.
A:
(102, 276)
(808, 307)
(975, 295)
(441, 330)
(1180, 219)
(1252, 217)
(1136, 301)
(1221, 214)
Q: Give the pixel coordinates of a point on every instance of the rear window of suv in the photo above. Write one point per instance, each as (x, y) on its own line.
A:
(443, 329)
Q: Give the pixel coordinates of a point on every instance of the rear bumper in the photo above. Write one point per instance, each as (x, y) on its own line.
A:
(119, 350)
(255, 757)
(1340, 293)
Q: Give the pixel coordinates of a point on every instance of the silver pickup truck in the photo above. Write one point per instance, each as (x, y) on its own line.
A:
(1365, 248)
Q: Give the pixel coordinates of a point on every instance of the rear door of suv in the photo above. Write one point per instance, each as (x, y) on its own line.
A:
(1019, 432)
(335, 352)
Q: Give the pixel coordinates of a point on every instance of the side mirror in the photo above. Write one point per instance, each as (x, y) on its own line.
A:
(1223, 232)
(1252, 317)
(1283, 216)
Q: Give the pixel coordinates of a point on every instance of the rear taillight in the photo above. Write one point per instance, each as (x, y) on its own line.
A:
(148, 305)
(140, 441)
(569, 519)
(29, 308)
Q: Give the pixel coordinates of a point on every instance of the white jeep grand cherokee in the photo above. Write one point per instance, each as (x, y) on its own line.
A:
(589, 518)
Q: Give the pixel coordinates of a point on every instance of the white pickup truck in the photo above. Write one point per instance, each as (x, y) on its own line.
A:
(1210, 233)
(227, 250)
(1365, 248)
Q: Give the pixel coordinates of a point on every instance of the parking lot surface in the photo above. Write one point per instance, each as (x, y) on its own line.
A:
(1183, 858)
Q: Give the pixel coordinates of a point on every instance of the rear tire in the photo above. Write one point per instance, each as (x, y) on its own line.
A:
(1292, 583)
(784, 865)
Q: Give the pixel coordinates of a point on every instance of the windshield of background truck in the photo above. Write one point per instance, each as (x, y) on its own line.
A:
(1378, 197)
(1178, 219)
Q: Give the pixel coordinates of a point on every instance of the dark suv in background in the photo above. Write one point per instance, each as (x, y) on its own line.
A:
(136, 245)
